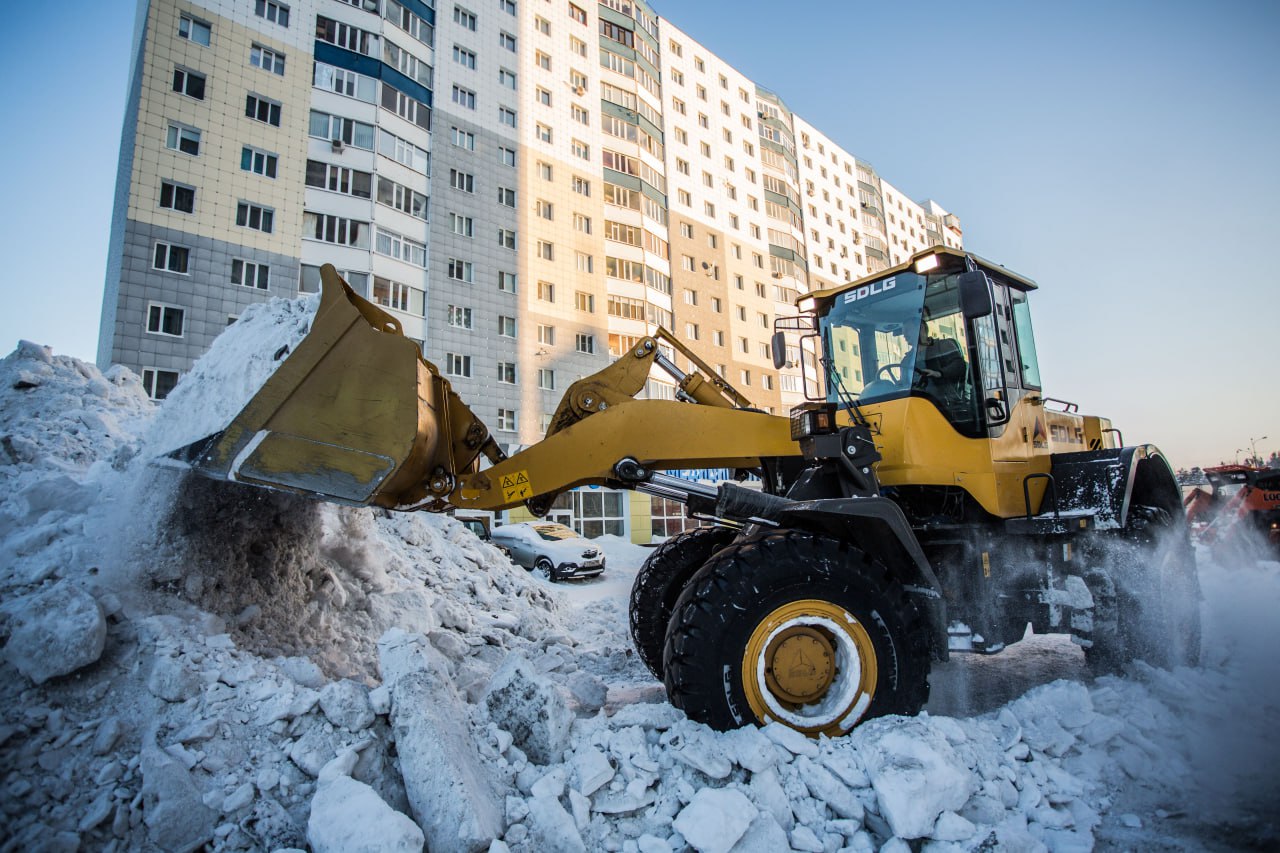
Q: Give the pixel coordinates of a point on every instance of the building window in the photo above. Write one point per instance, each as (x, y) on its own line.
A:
(257, 161)
(339, 179)
(462, 181)
(188, 83)
(250, 274)
(506, 197)
(581, 186)
(543, 132)
(584, 301)
(546, 291)
(165, 320)
(341, 130)
(506, 238)
(582, 223)
(179, 197)
(506, 282)
(464, 19)
(402, 198)
(465, 58)
(507, 420)
(461, 270)
(585, 343)
(262, 109)
(255, 216)
(543, 60)
(547, 335)
(335, 229)
(179, 137)
(346, 36)
(544, 97)
(578, 14)
(544, 171)
(457, 365)
(462, 138)
(158, 383)
(578, 46)
(459, 317)
(508, 6)
(276, 13)
(507, 116)
(464, 97)
(507, 372)
(691, 331)
(506, 326)
(584, 262)
(507, 41)
(542, 24)
(193, 29)
(544, 209)
(580, 115)
(507, 156)
(266, 59)
(546, 250)
(546, 379)
(171, 258)
(462, 225)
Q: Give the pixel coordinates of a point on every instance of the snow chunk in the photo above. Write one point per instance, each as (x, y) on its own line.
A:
(551, 828)
(346, 704)
(914, 771)
(55, 632)
(453, 796)
(715, 819)
(531, 708)
(173, 808)
(349, 817)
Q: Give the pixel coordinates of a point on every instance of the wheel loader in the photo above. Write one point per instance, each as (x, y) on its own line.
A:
(926, 498)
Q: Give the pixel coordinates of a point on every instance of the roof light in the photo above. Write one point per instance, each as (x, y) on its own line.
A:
(928, 262)
(807, 304)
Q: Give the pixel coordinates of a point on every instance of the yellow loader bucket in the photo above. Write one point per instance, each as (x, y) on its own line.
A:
(354, 415)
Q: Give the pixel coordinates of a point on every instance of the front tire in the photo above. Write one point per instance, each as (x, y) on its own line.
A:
(1149, 608)
(544, 565)
(800, 629)
(661, 580)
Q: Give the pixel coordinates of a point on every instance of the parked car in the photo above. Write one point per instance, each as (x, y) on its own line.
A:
(553, 548)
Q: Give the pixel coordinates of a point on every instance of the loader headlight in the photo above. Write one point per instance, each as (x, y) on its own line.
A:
(808, 419)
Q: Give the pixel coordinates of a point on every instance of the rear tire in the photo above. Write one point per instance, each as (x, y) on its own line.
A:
(1151, 611)
(796, 628)
(661, 580)
(544, 565)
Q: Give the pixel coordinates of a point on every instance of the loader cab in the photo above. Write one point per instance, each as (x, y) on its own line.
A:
(946, 328)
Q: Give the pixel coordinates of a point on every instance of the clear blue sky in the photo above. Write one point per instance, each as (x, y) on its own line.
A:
(1122, 154)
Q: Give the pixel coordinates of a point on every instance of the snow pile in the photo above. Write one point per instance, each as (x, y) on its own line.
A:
(191, 663)
(236, 366)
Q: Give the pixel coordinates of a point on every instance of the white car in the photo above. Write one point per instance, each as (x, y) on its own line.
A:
(550, 547)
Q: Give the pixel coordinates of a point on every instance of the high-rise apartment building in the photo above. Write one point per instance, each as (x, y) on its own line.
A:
(529, 185)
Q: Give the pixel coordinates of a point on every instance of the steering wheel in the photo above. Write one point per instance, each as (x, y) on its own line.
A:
(887, 372)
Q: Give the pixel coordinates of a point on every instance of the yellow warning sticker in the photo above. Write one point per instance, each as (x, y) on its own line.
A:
(516, 486)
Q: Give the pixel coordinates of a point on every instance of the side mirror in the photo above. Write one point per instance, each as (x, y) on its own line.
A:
(779, 344)
(975, 295)
(997, 411)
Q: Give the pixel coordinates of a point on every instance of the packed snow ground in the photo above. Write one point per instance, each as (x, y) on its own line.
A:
(190, 663)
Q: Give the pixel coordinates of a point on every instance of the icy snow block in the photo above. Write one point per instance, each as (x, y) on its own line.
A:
(349, 817)
(551, 828)
(715, 819)
(914, 771)
(453, 797)
(346, 704)
(591, 769)
(530, 707)
(172, 806)
(55, 632)
(764, 835)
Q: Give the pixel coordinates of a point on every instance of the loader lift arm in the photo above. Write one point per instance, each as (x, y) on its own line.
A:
(356, 415)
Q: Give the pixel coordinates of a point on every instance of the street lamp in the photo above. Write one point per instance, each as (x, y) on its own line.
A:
(1253, 447)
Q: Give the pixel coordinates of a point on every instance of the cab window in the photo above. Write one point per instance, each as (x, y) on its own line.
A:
(1026, 340)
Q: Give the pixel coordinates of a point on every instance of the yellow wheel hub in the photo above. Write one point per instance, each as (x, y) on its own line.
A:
(810, 664)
